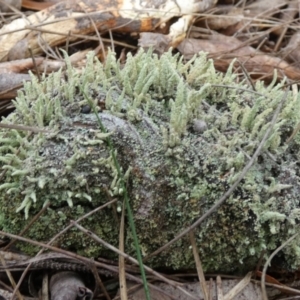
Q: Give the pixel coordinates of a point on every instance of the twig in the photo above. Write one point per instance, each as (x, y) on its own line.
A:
(122, 277)
(263, 277)
(250, 81)
(219, 288)
(35, 65)
(11, 280)
(200, 272)
(98, 35)
(24, 128)
(112, 41)
(259, 262)
(98, 281)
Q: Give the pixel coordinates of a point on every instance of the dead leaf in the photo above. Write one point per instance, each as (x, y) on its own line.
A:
(224, 49)
(10, 81)
(224, 19)
(238, 288)
(35, 5)
(19, 51)
(158, 42)
(259, 14)
(250, 291)
(70, 20)
(18, 66)
(292, 51)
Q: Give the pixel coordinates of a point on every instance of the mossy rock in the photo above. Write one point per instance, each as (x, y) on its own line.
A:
(182, 133)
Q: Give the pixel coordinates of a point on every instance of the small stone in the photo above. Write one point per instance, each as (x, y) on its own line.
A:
(199, 126)
(86, 109)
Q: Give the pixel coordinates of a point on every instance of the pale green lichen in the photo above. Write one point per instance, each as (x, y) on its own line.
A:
(174, 172)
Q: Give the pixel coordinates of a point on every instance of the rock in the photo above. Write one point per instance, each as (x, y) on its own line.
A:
(174, 173)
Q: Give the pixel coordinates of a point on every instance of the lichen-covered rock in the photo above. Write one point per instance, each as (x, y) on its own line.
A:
(182, 134)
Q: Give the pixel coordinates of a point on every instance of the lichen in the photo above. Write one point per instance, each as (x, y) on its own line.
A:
(175, 168)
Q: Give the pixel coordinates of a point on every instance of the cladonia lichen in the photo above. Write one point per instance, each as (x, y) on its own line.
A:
(182, 133)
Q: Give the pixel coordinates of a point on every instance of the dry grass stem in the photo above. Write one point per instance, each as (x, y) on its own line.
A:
(122, 276)
(200, 272)
(263, 277)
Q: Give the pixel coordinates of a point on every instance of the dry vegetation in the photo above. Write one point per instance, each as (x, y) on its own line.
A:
(261, 35)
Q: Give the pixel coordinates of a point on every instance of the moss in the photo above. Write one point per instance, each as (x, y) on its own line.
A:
(175, 171)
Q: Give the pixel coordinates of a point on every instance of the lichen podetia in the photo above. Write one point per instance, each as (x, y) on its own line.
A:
(175, 172)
